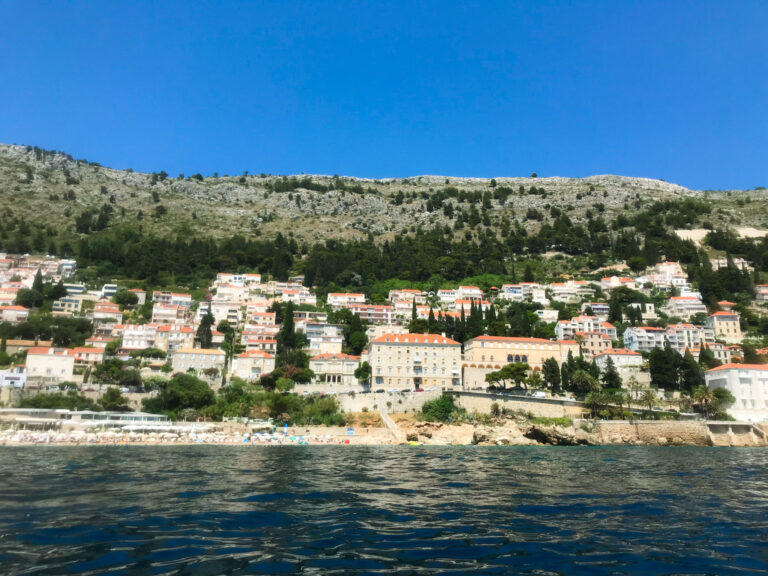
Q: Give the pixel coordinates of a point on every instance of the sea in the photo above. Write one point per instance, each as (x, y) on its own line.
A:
(211, 510)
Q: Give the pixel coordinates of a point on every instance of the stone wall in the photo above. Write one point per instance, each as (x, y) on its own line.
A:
(400, 402)
(658, 432)
(550, 408)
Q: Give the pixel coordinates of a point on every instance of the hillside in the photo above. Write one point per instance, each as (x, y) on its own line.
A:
(54, 190)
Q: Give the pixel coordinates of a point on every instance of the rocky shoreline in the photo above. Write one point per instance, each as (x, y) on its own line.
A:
(509, 433)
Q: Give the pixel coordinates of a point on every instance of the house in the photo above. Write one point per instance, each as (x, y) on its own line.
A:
(685, 307)
(447, 297)
(408, 295)
(167, 313)
(13, 314)
(566, 329)
(107, 312)
(726, 326)
(374, 313)
(621, 357)
(88, 356)
(335, 370)
(467, 304)
(339, 300)
(268, 345)
(547, 315)
(205, 363)
(647, 310)
(644, 338)
(375, 331)
(140, 294)
(14, 377)
(413, 361)
(610, 282)
(592, 343)
(251, 365)
(683, 335)
(50, 365)
(486, 354)
(749, 385)
(108, 291)
(139, 336)
(469, 293)
(67, 306)
(761, 292)
(599, 309)
(172, 337)
(172, 299)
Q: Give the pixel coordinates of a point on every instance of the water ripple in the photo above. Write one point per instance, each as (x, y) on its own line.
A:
(205, 510)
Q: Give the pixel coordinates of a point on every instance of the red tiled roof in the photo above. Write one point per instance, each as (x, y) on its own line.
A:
(414, 339)
(739, 367)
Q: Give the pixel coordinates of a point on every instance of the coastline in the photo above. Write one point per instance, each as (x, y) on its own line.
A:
(510, 433)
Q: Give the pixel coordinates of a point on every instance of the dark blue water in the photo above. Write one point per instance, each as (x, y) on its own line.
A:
(394, 510)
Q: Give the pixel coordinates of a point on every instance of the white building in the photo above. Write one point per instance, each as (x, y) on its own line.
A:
(339, 300)
(206, 363)
(685, 307)
(749, 385)
(50, 365)
(644, 338)
(567, 329)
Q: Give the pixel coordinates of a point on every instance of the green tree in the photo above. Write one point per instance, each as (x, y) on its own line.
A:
(183, 392)
(649, 398)
(583, 383)
(204, 333)
(125, 298)
(611, 377)
(551, 371)
(515, 372)
(113, 401)
(284, 384)
(363, 373)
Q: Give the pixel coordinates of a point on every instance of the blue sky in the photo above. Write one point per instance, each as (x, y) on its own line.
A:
(673, 90)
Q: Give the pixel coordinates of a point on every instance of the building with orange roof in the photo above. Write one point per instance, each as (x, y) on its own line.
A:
(726, 326)
(13, 314)
(172, 337)
(749, 385)
(339, 300)
(88, 355)
(621, 357)
(413, 361)
(761, 292)
(592, 343)
(251, 365)
(486, 354)
(566, 329)
(685, 307)
(335, 372)
(644, 338)
(49, 365)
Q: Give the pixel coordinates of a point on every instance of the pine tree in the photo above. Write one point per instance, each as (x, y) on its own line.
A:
(204, 333)
(552, 376)
(611, 377)
(37, 284)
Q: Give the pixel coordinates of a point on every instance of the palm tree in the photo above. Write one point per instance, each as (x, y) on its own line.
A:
(649, 398)
(704, 398)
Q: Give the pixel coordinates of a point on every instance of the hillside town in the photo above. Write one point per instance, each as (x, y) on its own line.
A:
(611, 329)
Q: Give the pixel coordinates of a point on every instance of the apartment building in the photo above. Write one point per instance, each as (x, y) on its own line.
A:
(567, 329)
(206, 363)
(486, 354)
(726, 326)
(685, 307)
(411, 361)
(644, 338)
(749, 385)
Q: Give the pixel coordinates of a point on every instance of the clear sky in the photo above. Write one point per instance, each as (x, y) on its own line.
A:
(671, 89)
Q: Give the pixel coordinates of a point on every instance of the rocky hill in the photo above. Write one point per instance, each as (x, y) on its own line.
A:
(54, 190)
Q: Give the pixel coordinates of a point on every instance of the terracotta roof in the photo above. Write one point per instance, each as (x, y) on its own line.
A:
(512, 339)
(214, 351)
(414, 339)
(739, 367)
(723, 313)
(41, 351)
(17, 308)
(619, 352)
(335, 356)
(255, 353)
